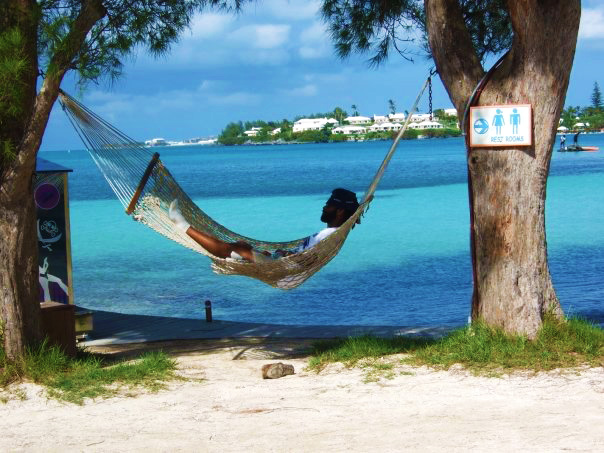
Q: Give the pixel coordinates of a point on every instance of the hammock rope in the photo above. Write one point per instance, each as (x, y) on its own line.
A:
(145, 188)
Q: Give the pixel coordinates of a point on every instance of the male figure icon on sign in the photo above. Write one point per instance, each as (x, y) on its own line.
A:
(515, 121)
(498, 121)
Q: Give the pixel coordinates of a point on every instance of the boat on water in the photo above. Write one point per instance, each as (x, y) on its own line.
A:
(576, 148)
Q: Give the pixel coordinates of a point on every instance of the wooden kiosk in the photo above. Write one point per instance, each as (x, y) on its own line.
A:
(59, 318)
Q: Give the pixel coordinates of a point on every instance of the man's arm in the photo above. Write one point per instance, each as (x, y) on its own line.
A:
(220, 248)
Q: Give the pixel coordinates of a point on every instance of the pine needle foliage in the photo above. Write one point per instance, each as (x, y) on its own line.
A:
(379, 28)
(13, 65)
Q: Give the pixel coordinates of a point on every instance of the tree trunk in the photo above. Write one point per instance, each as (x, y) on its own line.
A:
(20, 308)
(19, 263)
(19, 299)
(512, 284)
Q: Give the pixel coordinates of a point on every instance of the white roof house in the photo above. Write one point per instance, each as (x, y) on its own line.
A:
(562, 129)
(380, 119)
(419, 117)
(313, 124)
(452, 112)
(349, 130)
(384, 127)
(426, 125)
(397, 117)
(276, 131)
(156, 142)
(358, 120)
(253, 131)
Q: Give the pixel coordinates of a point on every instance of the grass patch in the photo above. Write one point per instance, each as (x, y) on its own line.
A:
(87, 376)
(351, 350)
(479, 348)
(376, 370)
(559, 344)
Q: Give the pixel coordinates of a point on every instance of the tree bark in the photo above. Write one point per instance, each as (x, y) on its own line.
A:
(19, 305)
(18, 261)
(512, 285)
(20, 308)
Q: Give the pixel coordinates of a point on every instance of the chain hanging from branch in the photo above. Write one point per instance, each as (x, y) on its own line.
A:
(430, 95)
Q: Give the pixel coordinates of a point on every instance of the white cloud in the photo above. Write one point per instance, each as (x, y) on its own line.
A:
(271, 57)
(206, 85)
(317, 32)
(239, 98)
(268, 36)
(315, 41)
(334, 78)
(311, 52)
(207, 25)
(306, 91)
(200, 55)
(292, 9)
(119, 108)
(592, 23)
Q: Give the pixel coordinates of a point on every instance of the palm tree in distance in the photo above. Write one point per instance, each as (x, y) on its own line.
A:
(355, 112)
(391, 106)
(339, 114)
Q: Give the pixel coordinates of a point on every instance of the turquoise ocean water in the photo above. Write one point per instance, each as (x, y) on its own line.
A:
(407, 264)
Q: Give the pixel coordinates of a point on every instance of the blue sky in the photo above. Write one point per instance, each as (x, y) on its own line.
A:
(273, 61)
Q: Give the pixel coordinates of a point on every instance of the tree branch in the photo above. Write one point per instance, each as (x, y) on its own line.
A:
(92, 11)
(544, 44)
(456, 60)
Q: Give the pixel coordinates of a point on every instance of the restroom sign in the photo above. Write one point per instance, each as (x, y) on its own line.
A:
(501, 125)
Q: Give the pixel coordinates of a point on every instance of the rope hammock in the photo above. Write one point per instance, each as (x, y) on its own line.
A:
(145, 188)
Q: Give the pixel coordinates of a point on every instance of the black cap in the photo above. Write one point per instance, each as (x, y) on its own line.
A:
(344, 199)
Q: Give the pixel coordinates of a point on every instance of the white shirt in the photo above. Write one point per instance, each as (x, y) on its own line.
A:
(313, 240)
(309, 242)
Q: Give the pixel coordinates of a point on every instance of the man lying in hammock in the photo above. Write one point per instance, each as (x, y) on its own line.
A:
(338, 208)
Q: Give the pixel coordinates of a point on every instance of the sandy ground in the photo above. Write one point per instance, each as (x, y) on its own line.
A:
(226, 406)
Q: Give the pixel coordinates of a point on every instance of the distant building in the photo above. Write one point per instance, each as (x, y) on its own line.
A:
(313, 124)
(349, 130)
(420, 117)
(426, 125)
(276, 131)
(450, 112)
(382, 127)
(253, 131)
(397, 117)
(156, 142)
(380, 119)
(358, 120)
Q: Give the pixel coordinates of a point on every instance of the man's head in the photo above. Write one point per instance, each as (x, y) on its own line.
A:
(339, 207)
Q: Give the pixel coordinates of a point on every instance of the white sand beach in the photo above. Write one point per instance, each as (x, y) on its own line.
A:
(225, 406)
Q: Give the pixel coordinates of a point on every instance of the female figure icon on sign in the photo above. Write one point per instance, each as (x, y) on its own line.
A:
(498, 121)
